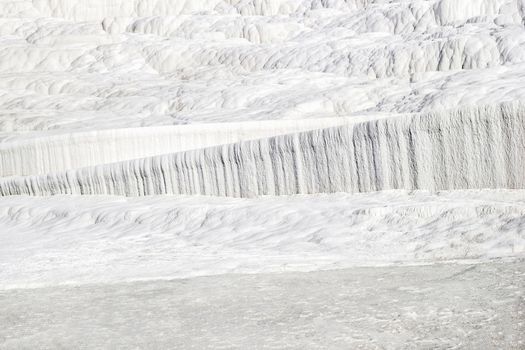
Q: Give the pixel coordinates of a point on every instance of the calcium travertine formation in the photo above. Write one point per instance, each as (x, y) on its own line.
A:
(46, 154)
(71, 65)
(463, 149)
(256, 98)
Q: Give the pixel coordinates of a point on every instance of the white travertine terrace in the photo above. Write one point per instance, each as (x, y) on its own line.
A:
(103, 239)
(68, 66)
(42, 155)
(352, 132)
(464, 149)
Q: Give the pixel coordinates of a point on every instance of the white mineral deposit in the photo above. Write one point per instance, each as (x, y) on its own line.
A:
(262, 174)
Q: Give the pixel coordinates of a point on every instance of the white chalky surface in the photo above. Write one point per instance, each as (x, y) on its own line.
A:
(430, 307)
(384, 139)
(67, 240)
(78, 64)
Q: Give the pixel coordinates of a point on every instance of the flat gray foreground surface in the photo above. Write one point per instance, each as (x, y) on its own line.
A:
(425, 307)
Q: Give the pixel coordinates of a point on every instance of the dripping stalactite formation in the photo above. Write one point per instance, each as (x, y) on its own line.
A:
(467, 148)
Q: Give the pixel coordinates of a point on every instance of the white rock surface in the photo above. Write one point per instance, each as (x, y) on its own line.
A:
(283, 103)
(436, 306)
(75, 65)
(46, 154)
(85, 239)
(462, 149)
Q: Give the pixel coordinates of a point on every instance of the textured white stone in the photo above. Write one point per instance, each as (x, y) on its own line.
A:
(70, 66)
(46, 154)
(418, 103)
(48, 241)
(461, 149)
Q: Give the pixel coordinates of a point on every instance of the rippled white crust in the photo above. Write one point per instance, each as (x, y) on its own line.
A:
(468, 148)
(446, 10)
(86, 239)
(77, 65)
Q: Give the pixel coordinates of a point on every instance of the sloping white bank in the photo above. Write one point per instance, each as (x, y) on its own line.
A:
(42, 155)
(78, 65)
(86, 239)
(482, 147)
